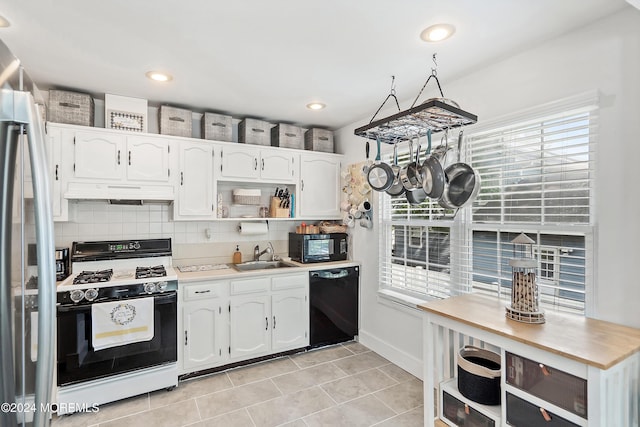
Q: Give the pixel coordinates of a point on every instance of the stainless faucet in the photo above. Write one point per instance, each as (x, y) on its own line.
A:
(257, 254)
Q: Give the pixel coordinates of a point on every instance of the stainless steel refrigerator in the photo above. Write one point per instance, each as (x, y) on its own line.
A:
(27, 265)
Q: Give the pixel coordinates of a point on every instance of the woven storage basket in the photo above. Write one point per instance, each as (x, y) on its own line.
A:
(217, 127)
(243, 196)
(287, 136)
(253, 131)
(73, 108)
(479, 375)
(330, 227)
(319, 140)
(175, 121)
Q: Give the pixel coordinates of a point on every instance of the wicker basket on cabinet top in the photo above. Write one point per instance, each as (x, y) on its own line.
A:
(217, 127)
(319, 140)
(73, 108)
(175, 121)
(253, 131)
(287, 136)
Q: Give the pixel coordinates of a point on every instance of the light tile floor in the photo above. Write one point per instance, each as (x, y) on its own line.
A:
(341, 385)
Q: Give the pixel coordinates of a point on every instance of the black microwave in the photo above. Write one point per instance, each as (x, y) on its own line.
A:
(318, 247)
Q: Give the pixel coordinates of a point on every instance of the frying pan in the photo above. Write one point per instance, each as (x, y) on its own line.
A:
(380, 175)
(416, 194)
(396, 188)
(432, 173)
(463, 183)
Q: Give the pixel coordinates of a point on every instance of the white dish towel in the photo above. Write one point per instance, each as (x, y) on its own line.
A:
(121, 322)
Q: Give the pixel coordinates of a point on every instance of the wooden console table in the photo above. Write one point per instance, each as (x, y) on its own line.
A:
(603, 356)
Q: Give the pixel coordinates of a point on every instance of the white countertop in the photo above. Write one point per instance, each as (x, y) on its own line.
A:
(229, 273)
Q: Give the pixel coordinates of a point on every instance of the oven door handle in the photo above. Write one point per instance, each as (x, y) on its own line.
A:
(157, 299)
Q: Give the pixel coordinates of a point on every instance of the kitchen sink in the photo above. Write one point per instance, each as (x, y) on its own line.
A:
(260, 265)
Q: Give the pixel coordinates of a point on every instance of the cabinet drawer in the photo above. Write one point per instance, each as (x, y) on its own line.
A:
(289, 282)
(522, 413)
(203, 291)
(555, 386)
(249, 286)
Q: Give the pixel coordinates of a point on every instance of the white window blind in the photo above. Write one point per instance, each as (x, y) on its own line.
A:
(537, 173)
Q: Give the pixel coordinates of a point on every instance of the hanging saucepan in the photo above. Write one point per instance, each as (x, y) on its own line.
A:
(463, 183)
(415, 194)
(380, 174)
(432, 173)
(396, 188)
(443, 153)
(409, 174)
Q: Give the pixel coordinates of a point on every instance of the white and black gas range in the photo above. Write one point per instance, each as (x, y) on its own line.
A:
(116, 322)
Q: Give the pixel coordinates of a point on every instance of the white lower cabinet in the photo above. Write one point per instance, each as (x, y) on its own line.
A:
(228, 321)
(249, 322)
(269, 314)
(288, 309)
(204, 324)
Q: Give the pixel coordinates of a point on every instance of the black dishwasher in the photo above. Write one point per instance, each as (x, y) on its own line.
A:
(333, 311)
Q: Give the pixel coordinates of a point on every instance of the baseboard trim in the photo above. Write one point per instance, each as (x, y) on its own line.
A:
(404, 360)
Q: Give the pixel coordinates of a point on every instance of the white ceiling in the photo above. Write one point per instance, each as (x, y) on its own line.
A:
(268, 59)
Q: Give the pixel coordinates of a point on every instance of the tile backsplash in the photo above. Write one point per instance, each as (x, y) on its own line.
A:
(193, 241)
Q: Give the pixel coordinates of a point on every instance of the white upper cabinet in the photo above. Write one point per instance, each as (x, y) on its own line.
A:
(147, 159)
(319, 194)
(196, 186)
(99, 155)
(60, 205)
(278, 166)
(247, 163)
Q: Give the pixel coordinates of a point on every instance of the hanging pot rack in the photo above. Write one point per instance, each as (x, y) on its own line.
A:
(436, 114)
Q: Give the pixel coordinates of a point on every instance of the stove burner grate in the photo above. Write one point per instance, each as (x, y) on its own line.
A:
(93, 277)
(146, 272)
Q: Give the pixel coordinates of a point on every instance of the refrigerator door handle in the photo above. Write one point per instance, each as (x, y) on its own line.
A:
(46, 250)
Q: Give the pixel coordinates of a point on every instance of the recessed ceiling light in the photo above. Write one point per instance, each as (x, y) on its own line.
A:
(437, 32)
(4, 23)
(159, 76)
(315, 106)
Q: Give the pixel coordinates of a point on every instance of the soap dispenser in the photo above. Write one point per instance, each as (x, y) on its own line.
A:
(237, 255)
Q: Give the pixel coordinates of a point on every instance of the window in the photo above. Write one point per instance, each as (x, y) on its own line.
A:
(536, 169)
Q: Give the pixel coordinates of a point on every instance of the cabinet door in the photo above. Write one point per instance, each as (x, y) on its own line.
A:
(250, 320)
(277, 166)
(99, 155)
(290, 320)
(195, 182)
(319, 186)
(201, 338)
(240, 162)
(60, 205)
(147, 159)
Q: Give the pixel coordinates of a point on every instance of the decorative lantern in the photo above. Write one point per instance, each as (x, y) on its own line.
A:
(525, 302)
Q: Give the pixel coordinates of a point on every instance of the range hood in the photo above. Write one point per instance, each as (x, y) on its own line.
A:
(120, 193)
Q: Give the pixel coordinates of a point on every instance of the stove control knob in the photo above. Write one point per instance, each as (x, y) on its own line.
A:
(134, 245)
(162, 286)
(91, 294)
(149, 288)
(76, 295)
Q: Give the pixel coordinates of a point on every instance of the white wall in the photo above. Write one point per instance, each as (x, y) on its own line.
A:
(603, 56)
